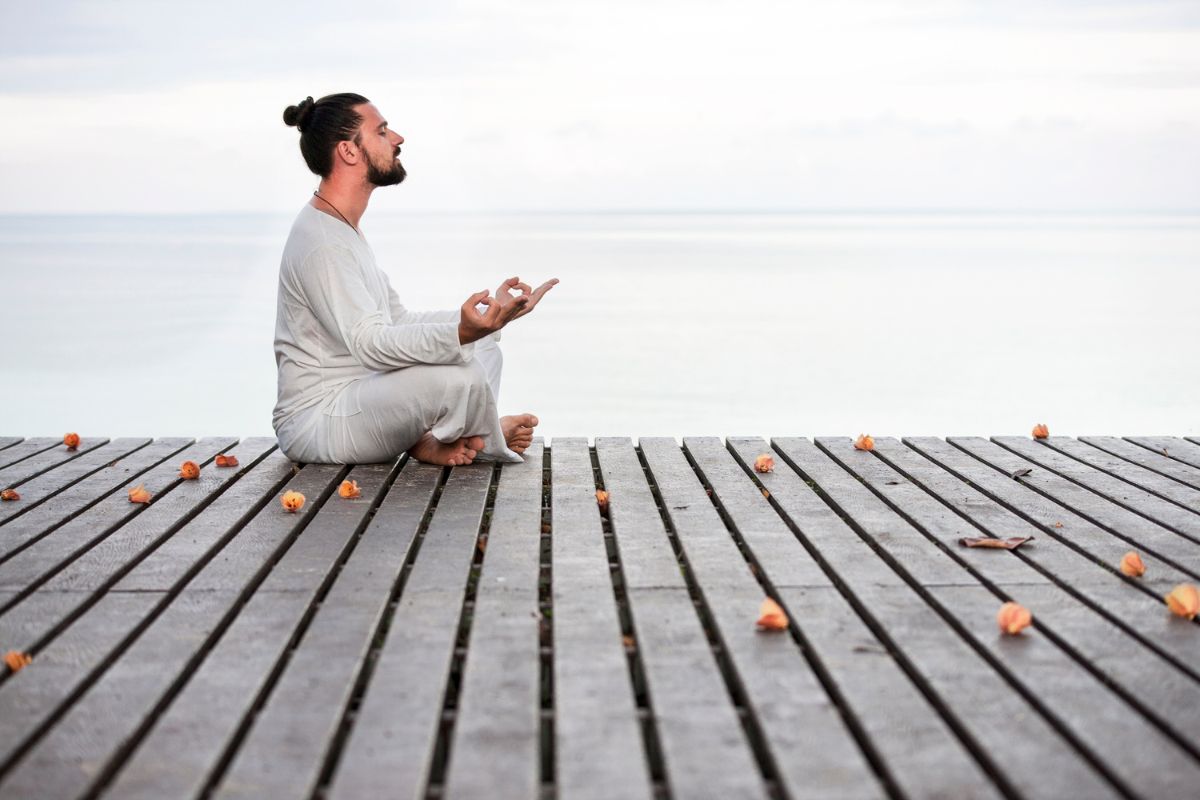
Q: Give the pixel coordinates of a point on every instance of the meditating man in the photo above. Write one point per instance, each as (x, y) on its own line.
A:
(361, 378)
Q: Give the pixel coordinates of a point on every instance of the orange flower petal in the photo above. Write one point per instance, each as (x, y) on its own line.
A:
(349, 489)
(189, 470)
(71, 440)
(1013, 618)
(764, 463)
(9, 494)
(292, 501)
(1040, 431)
(16, 661)
(138, 494)
(864, 442)
(602, 500)
(226, 461)
(1184, 600)
(771, 617)
(1131, 565)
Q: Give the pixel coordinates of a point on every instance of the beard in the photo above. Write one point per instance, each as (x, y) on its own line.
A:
(385, 177)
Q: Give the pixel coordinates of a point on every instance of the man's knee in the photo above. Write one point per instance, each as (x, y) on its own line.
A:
(463, 377)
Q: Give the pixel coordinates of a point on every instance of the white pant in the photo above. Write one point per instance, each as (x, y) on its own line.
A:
(378, 417)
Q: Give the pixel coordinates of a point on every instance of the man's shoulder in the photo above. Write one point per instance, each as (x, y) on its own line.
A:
(310, 242)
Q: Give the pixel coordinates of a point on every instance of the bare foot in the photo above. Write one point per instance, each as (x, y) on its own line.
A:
(518, 431)
(430, 451)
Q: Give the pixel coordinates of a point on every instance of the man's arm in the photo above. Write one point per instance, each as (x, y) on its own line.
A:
(402, 316)
(331, 283)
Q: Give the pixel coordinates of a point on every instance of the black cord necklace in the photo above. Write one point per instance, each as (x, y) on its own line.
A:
(316, 193)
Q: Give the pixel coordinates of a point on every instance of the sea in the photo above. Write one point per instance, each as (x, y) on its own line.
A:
(663, 324)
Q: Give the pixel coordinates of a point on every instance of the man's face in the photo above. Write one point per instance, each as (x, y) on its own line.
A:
(381, 148)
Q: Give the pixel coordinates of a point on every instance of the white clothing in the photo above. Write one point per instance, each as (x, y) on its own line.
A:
(361, 378)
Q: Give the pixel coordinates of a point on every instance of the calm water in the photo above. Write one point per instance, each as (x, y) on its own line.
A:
(674, 325)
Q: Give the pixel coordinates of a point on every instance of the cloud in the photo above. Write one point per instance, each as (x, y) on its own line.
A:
(148, 106)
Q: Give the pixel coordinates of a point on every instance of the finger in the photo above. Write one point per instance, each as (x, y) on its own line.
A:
(493, 311)
(524, 287)
(476, 299)
(516, 308)
(545, 287)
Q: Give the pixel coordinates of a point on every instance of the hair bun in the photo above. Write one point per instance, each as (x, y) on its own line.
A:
(297, 115)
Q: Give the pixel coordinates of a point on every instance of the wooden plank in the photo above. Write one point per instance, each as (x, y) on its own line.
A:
(1151, 460)
(1121, 599)
(1133, 529)
(101, 629)
(76, 755)
(54, 502)
(178, 755)
(704, 747)
(391, 744)
(9, 441)
(1131, 472)
(291, 737)
(34, 564)
(496, 743)
(1133, 752)
(975, 696)
(27, 624)
(25, 449)
(1112, 652)
(38, 489)
(43, 459)
(814, 753)
(1185, 450)
(599, 749)
(1183, 521)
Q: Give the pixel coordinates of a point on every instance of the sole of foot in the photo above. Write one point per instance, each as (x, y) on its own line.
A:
(456, 454)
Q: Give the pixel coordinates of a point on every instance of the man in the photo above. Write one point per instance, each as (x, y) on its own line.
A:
(361, 378)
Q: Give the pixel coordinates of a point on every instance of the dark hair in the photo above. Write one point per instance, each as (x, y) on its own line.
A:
(323, 124)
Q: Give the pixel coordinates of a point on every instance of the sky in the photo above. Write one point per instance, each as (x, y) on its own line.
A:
(140, 106)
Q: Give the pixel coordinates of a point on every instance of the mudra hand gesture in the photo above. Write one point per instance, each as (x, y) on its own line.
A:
(501, 309)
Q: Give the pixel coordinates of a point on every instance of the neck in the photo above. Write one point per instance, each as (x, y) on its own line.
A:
(350, 198)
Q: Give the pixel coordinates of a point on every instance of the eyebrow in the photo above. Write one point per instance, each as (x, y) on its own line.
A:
(383, 125)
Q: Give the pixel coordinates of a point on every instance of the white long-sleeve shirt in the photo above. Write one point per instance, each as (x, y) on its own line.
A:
(338, 318)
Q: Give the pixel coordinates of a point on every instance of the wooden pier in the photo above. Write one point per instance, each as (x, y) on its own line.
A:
(493, 632)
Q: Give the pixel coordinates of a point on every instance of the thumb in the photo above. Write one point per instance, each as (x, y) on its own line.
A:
(476, 298)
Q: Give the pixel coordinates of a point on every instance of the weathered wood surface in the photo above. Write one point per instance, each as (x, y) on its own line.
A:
(492, 631)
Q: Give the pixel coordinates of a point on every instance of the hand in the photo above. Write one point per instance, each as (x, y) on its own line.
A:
(535, 296)
(474, 325)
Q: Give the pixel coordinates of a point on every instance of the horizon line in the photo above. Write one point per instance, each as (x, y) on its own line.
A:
(681, 211)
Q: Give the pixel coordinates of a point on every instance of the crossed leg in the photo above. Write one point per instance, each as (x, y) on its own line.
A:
(444, 414)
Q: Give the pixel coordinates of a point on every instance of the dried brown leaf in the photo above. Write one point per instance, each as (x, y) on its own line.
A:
(1011, 543)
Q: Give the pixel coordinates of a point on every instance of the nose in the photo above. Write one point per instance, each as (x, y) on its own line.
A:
(399, 138)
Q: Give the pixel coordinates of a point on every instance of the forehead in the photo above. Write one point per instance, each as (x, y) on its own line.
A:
(370, 115)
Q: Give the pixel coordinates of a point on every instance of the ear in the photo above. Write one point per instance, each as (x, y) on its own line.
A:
(348, 152)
